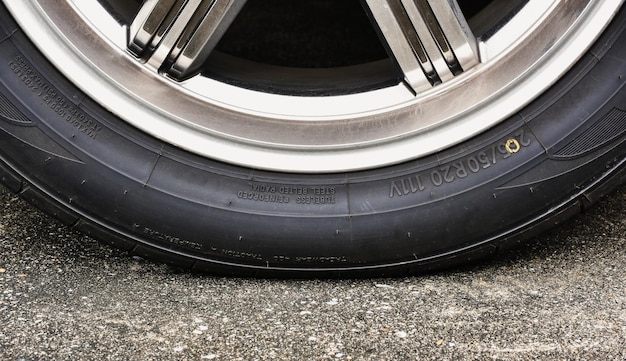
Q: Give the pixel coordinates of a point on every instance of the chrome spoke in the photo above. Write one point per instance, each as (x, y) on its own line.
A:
(429, 40)
(177, 36)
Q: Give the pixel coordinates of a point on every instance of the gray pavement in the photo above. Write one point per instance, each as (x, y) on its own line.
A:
(63, 296)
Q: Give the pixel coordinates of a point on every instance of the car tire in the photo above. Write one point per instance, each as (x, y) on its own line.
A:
(75, 159)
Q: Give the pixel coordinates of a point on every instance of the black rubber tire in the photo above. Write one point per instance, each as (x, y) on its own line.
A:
(70, 157)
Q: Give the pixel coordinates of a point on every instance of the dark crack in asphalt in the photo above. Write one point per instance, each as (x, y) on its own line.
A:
(64, 296)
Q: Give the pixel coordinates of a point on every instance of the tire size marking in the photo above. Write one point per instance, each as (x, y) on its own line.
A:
(461, 169)
(55, 101)
(272, 193)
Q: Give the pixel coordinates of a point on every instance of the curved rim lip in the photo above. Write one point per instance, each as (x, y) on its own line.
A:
(342, 135)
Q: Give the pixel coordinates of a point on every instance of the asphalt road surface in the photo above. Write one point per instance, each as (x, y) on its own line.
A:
(561, 296)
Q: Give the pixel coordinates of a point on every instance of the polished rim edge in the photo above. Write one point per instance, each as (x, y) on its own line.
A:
(421, 115)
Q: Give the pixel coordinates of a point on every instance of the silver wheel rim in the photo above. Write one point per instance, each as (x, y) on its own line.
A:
(456, 83)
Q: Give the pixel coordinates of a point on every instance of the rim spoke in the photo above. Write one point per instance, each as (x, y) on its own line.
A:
(177, 36)
(429, 40)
